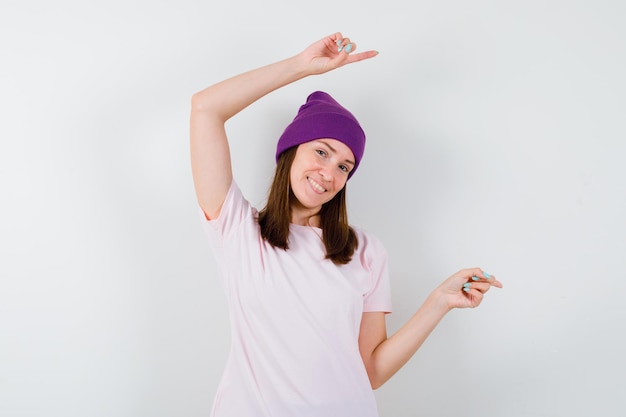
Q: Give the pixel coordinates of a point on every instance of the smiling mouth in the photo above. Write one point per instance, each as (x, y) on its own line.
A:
(316, 186)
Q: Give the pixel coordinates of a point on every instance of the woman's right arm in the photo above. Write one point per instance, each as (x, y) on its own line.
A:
(213, 106)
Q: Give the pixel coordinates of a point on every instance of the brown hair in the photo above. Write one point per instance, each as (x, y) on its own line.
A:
(339, 238)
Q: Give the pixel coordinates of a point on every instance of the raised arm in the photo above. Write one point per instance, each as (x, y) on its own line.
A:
(213, 106)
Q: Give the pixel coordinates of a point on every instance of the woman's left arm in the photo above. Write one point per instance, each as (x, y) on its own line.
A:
(384, 356)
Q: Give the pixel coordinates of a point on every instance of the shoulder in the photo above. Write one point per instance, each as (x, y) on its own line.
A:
(236, 211)
(371, 257)
(369, 244)
(366, 236)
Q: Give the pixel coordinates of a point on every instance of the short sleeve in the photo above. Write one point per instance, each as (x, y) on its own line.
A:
(374, 257)
(235, 210)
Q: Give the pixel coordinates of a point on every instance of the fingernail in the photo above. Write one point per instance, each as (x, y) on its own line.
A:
(338, 42)
(486, 275)
(467, 285)
(475, 278)
(340, 48)
(466, 289)
(349, 48)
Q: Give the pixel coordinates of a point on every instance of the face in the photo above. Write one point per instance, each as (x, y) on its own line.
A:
(319, 171)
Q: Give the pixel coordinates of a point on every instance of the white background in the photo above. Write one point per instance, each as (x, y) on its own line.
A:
(496, 138)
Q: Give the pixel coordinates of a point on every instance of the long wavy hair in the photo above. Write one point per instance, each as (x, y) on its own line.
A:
(339, 238)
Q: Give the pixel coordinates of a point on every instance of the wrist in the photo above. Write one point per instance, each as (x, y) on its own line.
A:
(438, 302)
(298, 66)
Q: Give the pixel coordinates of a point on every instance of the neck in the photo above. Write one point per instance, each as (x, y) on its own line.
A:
(305, 217)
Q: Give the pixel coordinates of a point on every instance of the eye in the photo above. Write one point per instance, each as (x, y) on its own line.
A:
(321, 152)
(344, 168)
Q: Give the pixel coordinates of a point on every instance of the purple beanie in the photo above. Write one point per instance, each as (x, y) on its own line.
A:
(322, 117)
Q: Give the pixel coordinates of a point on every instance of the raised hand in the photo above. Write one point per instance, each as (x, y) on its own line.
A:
(332, 52)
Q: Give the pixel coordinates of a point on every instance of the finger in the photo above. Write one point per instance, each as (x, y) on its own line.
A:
(349, 47)
(361, 56)
(491, 279)
(345, 50)
(471, 272)
(333, 41)
(482, 287)
(475, 297)
(477, 274)
(496, 283)
(344, 45)
(336, 37)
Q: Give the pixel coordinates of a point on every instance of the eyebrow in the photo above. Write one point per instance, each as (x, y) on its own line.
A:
(334, 150)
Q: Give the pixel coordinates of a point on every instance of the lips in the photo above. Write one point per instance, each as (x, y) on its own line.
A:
(316, 186)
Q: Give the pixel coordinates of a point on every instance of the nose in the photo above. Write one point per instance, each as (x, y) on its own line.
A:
(326, 174)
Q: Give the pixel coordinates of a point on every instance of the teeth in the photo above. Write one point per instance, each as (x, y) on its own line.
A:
(316, 185)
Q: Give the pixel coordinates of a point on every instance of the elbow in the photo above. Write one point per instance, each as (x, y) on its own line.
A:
(197, 102)
(375, 374)
(206, 101)
(205, 105)
(376, 383)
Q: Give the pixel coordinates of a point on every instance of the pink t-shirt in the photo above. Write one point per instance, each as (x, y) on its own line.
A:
(295, 319)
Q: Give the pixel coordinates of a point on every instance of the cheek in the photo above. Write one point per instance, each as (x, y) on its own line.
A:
(300, 165)
(341, 182)
(293, 172)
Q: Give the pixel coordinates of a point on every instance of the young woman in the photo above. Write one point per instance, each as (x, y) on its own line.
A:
(307, 292)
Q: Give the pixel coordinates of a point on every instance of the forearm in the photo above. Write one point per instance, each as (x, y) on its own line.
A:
(383, 356)
(213, 106)
(227, 98)
(394, 352)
